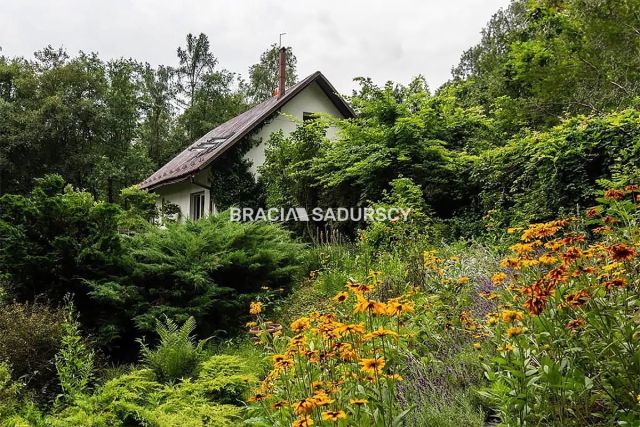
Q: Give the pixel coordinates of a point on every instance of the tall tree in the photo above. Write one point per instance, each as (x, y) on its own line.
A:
(541, 60)
(263, 76)
(214, 102)
(196, 60)
(159, 111)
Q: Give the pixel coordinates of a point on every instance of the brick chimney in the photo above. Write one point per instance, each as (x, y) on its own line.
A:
(282, 69)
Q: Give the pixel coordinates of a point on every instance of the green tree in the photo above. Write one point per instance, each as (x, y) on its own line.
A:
(196, 60)
(210, 95)
(540, 60)
(263, 76)
(158, 113)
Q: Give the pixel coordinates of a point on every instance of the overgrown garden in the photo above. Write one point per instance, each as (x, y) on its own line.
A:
(509, 297)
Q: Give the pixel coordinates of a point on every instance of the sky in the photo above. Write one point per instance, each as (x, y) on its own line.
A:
(385, 40)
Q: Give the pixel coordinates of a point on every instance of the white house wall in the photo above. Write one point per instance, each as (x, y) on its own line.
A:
(180, 194)
(310, 100)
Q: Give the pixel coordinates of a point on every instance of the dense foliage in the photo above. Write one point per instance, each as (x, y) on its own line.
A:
(105, 125)
(108, 319)
(58, 241)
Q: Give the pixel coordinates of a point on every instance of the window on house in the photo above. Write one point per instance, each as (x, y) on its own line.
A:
(306, 116)
(197, 205)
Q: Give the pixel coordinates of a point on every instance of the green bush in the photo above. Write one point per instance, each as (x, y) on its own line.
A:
(209, 269)
(137, 398)
(177, 354)
(541, 175)
(75, 360)
(9, 392)
(123, 274)
(54, 238)
(30, 338)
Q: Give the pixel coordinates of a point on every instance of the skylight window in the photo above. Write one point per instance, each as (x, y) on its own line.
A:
(209, 144)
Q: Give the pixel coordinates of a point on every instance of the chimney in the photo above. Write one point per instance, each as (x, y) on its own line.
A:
(282, 69)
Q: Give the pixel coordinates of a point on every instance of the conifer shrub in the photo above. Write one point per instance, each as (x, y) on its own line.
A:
(138, 398)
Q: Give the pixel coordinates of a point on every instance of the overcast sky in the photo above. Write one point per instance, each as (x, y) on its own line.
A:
(385, 40)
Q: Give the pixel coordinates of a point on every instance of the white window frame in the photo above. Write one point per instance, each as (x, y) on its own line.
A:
(196, 205)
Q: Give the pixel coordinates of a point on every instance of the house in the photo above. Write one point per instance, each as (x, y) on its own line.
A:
(185, 181)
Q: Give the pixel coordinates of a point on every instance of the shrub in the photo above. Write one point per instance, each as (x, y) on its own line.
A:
(177, 355)
(137, 398)
(567, 335)
(541, 175)
(54, 238)
(9, 392)
(209, 269)
(75, 360)
(399, 235)
(31, 336)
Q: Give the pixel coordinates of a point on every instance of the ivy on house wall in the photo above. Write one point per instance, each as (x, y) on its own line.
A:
(232, 182)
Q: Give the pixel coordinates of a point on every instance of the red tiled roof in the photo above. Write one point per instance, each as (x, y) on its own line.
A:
(206, 149)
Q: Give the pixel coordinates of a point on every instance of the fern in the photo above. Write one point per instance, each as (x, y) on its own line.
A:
(178, 354)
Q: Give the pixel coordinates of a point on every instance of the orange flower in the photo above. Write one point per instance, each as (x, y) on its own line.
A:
(258, 397)
(574, 324)
(547, 259)
(300, 324)
(510, 262)
(322, 398)
(371, 366)
(509, 316)
(610, 220)
(621, 252)
(395, 307)
(463, 280)
(571, 254)
(379, 333)
(359, 287)
(498, 278)
(303, 422)
(282, 361)
(557, 275)
(578, 299)
(614, 194)
(305, 406)
(593, 212)
(334, 416)
(354, 328)
(255, 308)
(514, 331)
(618, 282)
(280, 404)
(371, 306)
(523, 248)
(358, 402)
(297, 341)
(537, 298)
(547, 229)
(342, 296)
